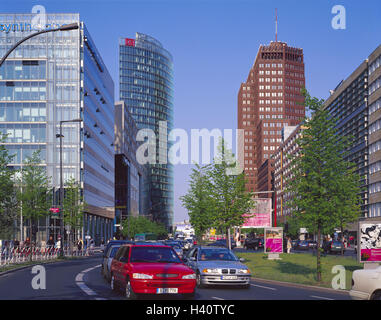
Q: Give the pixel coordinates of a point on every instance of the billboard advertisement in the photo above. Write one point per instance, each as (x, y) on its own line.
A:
(273, 240)
(369, 241)
(260, 215)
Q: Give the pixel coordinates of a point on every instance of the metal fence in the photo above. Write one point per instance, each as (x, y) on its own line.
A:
(16, 255)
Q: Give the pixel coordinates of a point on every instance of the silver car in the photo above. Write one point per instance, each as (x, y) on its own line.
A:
(106, 263)
(217, 266)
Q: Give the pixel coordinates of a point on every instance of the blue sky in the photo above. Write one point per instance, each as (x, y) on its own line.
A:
(214, 44)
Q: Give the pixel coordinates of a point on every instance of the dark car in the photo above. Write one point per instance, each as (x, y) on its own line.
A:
(336, 247)
(303, 245)
(295, 243)
(253, 243)
(222, 243)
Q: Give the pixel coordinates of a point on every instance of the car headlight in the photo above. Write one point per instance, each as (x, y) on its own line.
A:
(210, 271)
(141, 276)
(244, 271)
(190, 276)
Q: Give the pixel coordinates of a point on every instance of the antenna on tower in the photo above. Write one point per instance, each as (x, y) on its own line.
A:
(276, 24)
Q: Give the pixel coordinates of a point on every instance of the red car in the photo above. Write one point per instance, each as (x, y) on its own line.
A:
(151, 269)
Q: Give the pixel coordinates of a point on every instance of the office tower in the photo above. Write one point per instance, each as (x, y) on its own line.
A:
(355, 103)
(131, 187)
(269, 100)
(53, 77)
(146, 87)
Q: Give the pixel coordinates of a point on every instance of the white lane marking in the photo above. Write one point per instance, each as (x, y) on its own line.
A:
(324, 298)
(81, 284)
(86, 289)
(217, 298)
(263, 287)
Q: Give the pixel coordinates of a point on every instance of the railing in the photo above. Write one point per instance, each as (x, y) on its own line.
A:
(16, 255)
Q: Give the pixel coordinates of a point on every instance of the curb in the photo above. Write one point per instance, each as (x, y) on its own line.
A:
(37, 263)
(300, 285)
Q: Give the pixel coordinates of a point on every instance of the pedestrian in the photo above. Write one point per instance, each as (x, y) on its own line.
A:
(289, 245)
(79, 244)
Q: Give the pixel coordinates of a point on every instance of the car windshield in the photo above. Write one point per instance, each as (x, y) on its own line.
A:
(154, 254)
(217, 254)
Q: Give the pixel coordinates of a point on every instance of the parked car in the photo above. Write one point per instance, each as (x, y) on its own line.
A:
(217, 266)
(303, 245)
(366, 284)
(312, 244)
(151, 269)
(335, 247)
(106, 261)
(222, 243)
(295, 243)
(253, 243)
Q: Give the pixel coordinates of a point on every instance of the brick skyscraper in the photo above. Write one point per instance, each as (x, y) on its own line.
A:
(269, 100)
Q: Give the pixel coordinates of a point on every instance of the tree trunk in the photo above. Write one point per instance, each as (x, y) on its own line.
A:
(342, 240)
(318, 263)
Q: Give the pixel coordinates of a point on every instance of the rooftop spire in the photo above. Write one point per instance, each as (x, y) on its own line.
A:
(276, 25)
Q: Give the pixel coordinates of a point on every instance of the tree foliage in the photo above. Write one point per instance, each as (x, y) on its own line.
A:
(198, 200)
(134, 225)
(217, 197)
(8, 201)
(325, 186)
(34, 193)
(73, 204)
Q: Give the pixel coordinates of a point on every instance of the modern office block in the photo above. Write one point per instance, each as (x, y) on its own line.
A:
(53, 77)
(146, 87)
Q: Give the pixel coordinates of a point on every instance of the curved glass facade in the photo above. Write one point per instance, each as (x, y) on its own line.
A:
(146, 86)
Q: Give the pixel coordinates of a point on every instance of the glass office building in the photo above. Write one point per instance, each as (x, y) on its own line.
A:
(146, 86)
(53, 77)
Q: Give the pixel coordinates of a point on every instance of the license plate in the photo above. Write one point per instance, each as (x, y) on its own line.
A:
(167, 290)
(228, 277)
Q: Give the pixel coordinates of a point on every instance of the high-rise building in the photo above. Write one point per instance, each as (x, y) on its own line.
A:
(131, 189)
(53, 77)
(283, 169)
(269, 100)
(356, 104)
(146, 86)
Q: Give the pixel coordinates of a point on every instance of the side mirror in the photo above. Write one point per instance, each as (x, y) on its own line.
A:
(242, 260)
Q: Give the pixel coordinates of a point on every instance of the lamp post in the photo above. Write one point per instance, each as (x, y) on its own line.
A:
(66, 27)
(60, 135)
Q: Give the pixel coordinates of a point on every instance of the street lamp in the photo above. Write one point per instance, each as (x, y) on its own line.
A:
(67, 27)
(60, 135)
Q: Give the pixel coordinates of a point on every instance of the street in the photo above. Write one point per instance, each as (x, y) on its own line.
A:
(81, 280)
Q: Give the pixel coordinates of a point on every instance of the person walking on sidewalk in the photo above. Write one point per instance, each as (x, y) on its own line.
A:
(289, 245)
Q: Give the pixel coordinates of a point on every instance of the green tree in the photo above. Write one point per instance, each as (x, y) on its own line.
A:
(134, 225)
(34, 195)
(198, 200)
(73, 206)
(8, 202)
(321, 176)
(230, 200)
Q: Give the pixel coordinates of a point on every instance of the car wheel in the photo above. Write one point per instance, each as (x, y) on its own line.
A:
(198, 280)
(113, 284)
(376, 295)
(129, 293)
